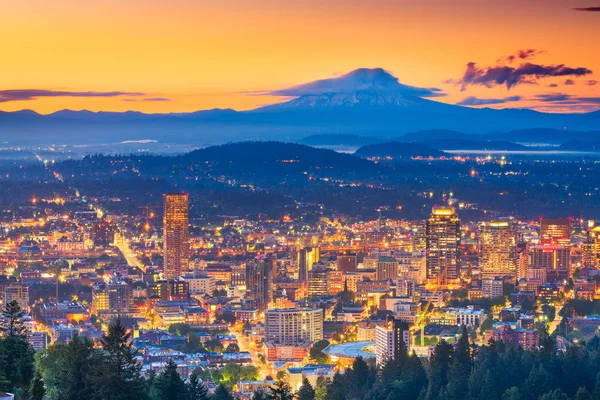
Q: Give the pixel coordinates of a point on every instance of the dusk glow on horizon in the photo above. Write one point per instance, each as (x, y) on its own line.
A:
(187, 55)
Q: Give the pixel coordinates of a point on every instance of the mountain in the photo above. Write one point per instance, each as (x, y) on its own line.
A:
(337, 140)
(365, 102)
(398, 150)
(576, 145)
(464, 144)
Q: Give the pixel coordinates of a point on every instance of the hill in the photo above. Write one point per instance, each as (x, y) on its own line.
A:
(398, 150)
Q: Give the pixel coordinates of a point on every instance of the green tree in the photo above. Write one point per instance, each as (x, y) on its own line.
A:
(169, 385)
(197, 389)
(74, 370)
(582, 394)
(512, 394)
(321, 389)
(306, 391)
(37, 391)
(232, 348)
(537, 381)
(17, 360)
(556, 394)
(222, 393)
(280, 391)
(439, 367)
(12, 321)
(118, 376)
(259, 394)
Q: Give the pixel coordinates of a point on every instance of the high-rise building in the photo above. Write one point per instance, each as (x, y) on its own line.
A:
(497, 249)
(555, 260)
(387, 269)
(590, 250)
(176, 235)
(306, 258)
(317, 282)
(113, 297)
(389, 340)
(259, 281)
(443, 241)
(294, 325)
(347, 262)
(18, 292)
(555, 232)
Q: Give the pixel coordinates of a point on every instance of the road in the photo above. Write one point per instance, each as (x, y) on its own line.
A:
(263, 369)
(122, 243)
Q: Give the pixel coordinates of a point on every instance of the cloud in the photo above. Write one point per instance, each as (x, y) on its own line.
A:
(553, 85)
(157, 99)
(527, 73)
(474, 101)
(522, 54)
(34, 94)
(591, 82)
(567, 99)
(363, 79)
(569, 82)
(592, 9)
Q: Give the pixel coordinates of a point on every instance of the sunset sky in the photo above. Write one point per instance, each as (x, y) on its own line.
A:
(186, 55)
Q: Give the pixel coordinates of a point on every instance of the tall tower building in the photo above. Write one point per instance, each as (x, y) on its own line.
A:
(555, 232)
(306, 258)
(442, 240)
(497, 249)
(176, 235)
(259, 281)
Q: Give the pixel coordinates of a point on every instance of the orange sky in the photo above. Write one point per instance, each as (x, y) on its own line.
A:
(206, 53)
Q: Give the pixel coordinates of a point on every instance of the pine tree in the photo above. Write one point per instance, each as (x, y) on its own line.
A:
(306, 391)
(582, 394)
(321, 389)
(37, 390)
(259, 394)
(169, 385)
(197, 389)
(222, 393)
(17, 362)
(118, 377)
(512, 394)
(556, 394)
(75, 380)
(280, 391)
(12, 317)
(438, 369)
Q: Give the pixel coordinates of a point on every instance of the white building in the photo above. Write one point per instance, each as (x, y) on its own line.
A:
(294, 325)
(387, 341)
(492, 287)
(200, 283)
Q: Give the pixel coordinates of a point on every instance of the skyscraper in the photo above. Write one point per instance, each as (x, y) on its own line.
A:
(442, 240)
(176, 235)
(555, 232)
(294, 325)
(497, 249)
(306, 258)
(390, 341)
(259, 281)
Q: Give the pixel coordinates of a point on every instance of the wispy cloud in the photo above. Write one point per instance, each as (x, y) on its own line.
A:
(567, 99)
(151, 99)
(525, 54)
(474, 101)
(590, 9)
(33, 94)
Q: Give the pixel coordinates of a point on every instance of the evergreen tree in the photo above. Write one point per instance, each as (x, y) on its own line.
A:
(74, 370)
(169, 385)
(306, 391)
(321, 389)
(222, 393)
(259, 395)
(556, 394)
(512, 394)
(12, 321)
(438, 369)
(118, 377)
(197, 389)
(37, 391)
(582, 394)
(280, 391)
(536, 383)
(17, 363)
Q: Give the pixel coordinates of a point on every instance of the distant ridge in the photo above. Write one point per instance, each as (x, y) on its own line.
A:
(398, 150)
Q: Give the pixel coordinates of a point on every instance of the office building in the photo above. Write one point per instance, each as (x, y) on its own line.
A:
(497, 249)
(306, 258)
(387, 269)
(259, 281)
(390, 339)
(347, 262)
(317, 282)
(492, 287)
(18, 292)
(555, 232)
(176, 235)
(555, 260)
(443, 241)
(113, 297)
(294, 325)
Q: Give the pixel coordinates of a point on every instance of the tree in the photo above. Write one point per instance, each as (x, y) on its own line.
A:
(169, 385)
(306, 391)
(512, 394)
(321, 389)
(280, 391)
(222, 393)
(75, 367)
(582, 394)
(118, 377)
(12, 317)
(556, 394)
(214, 345)
(259, 394)
(438, 369)
(17, 363)
(232, 348)
(37, 391)
(197, 389)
